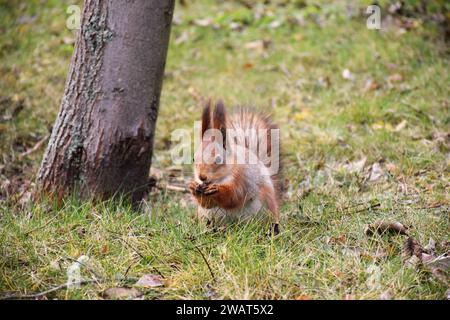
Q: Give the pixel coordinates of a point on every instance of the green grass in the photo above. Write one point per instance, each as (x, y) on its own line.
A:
(322, 252)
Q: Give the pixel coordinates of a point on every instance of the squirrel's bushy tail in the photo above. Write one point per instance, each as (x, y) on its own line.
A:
(247, 120)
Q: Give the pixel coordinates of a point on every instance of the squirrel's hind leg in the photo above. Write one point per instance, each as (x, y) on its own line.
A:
(267, 195)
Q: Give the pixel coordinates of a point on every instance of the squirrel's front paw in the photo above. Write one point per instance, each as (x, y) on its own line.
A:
(195, 188)
(211, 189)
(203, 189)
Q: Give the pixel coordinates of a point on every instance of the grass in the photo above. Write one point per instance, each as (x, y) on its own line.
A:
(328, 123)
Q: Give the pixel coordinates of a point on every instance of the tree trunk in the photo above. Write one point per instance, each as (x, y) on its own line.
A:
(102, 141)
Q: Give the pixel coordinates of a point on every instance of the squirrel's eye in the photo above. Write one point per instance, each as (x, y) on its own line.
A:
(218, 159)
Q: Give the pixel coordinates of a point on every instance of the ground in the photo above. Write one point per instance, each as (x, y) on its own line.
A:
(364, 118)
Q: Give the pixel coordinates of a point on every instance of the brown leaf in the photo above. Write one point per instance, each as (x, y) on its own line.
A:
(426, 258)
(371, 85)
(412, 248)
(392, 168)
(441, 262)
(258, 45)
(150, 281)
(303, 297)
(438, 266)
(382, 227)
(248, 65)
(121, 293)
(324, 82)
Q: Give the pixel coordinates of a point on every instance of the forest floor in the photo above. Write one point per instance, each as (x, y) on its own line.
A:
(364, 118)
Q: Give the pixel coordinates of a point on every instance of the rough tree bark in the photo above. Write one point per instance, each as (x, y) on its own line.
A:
(102, 141)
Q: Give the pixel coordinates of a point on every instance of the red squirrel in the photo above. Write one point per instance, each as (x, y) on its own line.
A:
(225, 187)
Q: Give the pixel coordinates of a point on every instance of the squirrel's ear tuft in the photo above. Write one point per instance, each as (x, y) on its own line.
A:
(219, 120)
(219, 115)
(206, 117)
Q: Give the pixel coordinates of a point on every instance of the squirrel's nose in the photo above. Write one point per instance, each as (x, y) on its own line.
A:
(203, 177)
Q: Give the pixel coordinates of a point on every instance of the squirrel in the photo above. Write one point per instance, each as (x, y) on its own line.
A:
(227, 185)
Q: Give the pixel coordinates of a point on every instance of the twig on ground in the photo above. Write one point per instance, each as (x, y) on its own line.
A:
(176, 188)
(135, 250)
(16, 296)
(36, 147)
(40, 227)
(207, 263)
(44, 293)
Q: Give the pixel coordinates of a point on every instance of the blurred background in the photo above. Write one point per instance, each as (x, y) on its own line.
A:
(364, 118)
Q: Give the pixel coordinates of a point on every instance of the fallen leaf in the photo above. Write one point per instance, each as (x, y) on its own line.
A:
(431, 246)
(73, 271)
(375, 172)
(323, 82)
(203, 22)
(392, 168)
(438, 266)
(55, 265)
(378, 125)
(412, 248)
(258, 45)
(441, 137)
(184, 37)
(426, 258)
(248, 65)
(441, 262)
(275, 24)
(196, 95)
(236, 26)
(374, 278)
(400, 126)
(68, 40)
(356, 166)
(382, 227)
(303, 297)
(371, 85)
(412, 262)
(150, 281)
(121, 293)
